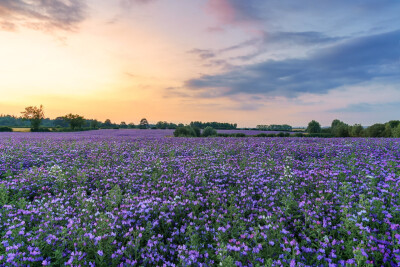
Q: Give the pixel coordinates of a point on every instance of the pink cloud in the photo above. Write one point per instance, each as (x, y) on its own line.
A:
(223, 10)
(242, 13)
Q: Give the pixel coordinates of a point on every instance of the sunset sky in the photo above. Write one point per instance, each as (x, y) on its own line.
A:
(245, 61)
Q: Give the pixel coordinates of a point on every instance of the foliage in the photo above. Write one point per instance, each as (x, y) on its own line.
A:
(215, 125)
(107, 123)
(356, 130)
(94, 124)
(144, 124)
(34, 114)
(185, 131)
(42, 129)
(376, 130)
(165, 125)
(5, 129)
(123, 125)
(299, 135)
(313, 127)
(13, 121)
(274, 127)
(209, 131)
(396, 131)
(197, 130)
(75, 121)
(60, 122)
(340, 129)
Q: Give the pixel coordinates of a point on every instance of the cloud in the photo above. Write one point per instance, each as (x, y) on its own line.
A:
(300, 38)
(345, 63)
(202, 53)
(233, 11)
(44, 15)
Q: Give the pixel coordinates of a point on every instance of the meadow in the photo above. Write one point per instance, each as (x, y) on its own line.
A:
(137, 198)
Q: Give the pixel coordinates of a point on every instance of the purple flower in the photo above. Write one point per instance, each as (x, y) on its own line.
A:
(100, 252)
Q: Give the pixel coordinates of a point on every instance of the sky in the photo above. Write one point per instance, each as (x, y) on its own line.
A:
(241, 61)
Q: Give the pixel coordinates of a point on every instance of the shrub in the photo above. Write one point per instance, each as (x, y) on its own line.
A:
(261, 135)
(185, 131)
(313, 127)
(298, 135)
(376, 130)
(240, 135)
(396, 131)
(5, 129)
(209, 131)
(40, 130)
(197, 131)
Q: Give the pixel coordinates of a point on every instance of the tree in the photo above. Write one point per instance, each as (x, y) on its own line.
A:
(60, 122)
(107, 123)
(313, 127)
(94, 124)
(35, 115)
(339, 129)
(376, 130)
(144, 124)
(396, 131)
(162, 125)
(356, 130)
(123, 125)
(185, 131)
(209, 131)
(75, 121)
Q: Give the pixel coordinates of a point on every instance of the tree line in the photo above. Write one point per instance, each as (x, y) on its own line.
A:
(214, 125)
(339, 128)
(34, 118)
(275, 127)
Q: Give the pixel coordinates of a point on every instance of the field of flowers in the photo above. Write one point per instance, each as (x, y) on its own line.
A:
(108, 198)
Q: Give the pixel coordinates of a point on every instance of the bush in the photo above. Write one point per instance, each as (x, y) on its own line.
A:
(197, 131)
(376, 130)
(240, 135)
(41, 130)
(5, 129)
(223, 135)
(185, 131)
(298, 135)
(396, 131)
(313, 127)
(261, 135)
(209, 131)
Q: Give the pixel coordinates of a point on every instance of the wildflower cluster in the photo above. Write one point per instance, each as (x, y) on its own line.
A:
(97, 199)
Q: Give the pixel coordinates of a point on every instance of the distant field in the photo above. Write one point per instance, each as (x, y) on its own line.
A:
(23, 130)
(251, 132)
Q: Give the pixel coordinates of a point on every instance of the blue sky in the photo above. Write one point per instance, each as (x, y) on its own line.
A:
(251, 62)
